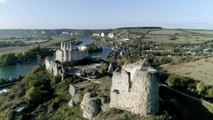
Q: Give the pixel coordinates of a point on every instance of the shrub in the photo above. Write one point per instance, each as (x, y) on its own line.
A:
(54, 105)
(180, 82)
(5, 106)
(200, 87)
(37, 82)
(165, 60)
(33, 95)
(210, 92)
(173, 80)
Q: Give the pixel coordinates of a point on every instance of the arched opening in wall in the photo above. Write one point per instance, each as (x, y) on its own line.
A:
(116, 91)
(57, 62)
(60, 70)
(129, 80)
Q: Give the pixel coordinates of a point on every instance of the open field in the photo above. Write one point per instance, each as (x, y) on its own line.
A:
(203, 31)
(129, 33)
(179, 36)
(16, 49)
(201, 70)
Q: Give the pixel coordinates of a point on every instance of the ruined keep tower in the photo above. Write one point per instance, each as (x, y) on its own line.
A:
(67, 46)
(135, 88)
(68, 52)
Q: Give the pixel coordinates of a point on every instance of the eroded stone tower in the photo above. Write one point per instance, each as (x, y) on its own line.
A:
(135, 88)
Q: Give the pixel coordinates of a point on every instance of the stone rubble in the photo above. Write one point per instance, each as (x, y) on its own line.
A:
(91, 106)
(73, 90)
(76, 100)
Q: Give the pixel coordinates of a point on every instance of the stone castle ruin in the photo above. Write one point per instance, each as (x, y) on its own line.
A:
(135, 88)
(53, 67)
(68, 52)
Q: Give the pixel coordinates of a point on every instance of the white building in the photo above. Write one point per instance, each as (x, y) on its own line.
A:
(96, 34)
(110, 35)
(65, 33)
(102, 34)
(43, 32)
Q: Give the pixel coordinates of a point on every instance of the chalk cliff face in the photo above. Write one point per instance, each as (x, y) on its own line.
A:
(135, 88)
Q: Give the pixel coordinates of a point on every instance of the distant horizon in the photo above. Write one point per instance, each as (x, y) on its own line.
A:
(105, 14)
(101, 28)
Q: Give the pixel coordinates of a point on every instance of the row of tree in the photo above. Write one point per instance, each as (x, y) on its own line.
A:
(31, 54)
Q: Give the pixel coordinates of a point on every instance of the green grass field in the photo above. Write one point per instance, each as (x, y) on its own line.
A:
(129, 33)
(181, 36)
(201, 70)
(17, 49)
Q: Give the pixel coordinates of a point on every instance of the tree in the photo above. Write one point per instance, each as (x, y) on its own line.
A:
(200, 87)
(20, 56)
(8, 59)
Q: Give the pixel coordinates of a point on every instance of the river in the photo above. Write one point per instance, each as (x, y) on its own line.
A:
(105, 52)
(22, 69)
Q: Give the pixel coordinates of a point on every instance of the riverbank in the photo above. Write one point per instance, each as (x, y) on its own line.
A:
(21, 69)
(6, 84)
(3, 82)
(31, 54)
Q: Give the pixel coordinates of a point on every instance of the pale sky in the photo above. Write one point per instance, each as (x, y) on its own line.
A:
(90, 14)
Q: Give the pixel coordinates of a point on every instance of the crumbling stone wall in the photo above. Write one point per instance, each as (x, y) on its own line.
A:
(51, 66)
(135, 88)
(54, 68)
(59, 55)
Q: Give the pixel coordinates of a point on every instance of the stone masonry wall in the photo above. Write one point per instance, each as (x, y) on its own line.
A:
(51, 66)
(135, 89)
